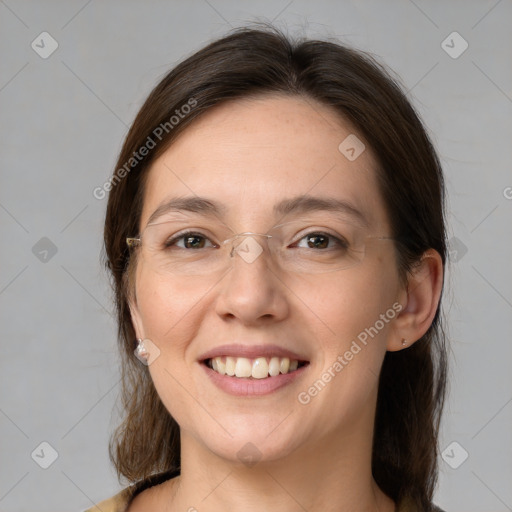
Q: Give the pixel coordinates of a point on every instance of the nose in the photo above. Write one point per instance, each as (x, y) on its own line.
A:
(252, 290)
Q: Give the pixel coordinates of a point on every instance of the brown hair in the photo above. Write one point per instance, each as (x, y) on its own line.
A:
(255, 61)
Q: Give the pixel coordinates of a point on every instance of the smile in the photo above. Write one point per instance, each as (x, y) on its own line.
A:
(255, 368)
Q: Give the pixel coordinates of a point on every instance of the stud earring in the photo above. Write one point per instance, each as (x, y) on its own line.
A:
(404, 342)
(141, 351)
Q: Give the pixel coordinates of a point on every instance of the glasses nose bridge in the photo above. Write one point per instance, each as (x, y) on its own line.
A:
(231, 240)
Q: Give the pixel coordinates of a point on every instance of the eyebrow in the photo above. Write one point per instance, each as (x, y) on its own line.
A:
(298, 204)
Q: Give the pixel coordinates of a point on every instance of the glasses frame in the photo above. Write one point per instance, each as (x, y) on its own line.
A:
(132, 242)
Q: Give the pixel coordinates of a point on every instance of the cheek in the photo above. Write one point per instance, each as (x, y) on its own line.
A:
(357, 309)
(167, 309)
(169, 317)
(353, 302)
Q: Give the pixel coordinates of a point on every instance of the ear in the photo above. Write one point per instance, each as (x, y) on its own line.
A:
(420, 299)
(136, 319)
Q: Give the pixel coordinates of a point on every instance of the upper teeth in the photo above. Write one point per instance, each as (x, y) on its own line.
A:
(258, 368)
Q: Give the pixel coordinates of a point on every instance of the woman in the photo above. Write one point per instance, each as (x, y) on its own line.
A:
(276, 238)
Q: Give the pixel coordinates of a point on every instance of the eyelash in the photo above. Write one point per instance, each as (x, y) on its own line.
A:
(340, 241)
(171, 242)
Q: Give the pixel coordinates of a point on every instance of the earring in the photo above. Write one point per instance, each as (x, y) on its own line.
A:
(141, 351)
(404, 342)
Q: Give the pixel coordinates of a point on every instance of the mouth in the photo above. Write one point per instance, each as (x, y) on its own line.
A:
(254, 368)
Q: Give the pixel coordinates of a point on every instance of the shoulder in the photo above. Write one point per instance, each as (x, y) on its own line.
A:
(120, 501)
(117, 503)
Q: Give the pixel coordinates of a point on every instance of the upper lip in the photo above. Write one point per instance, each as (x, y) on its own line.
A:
(251, 352)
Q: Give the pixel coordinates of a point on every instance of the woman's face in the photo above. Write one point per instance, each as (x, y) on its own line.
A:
(247, 157)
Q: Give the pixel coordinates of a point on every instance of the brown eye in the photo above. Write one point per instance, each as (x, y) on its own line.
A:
(319, 240)
(194, 242)
(191, 240)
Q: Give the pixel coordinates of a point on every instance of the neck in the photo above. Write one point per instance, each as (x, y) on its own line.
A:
(331, 474)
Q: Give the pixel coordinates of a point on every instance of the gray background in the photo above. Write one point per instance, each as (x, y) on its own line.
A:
(63, 122)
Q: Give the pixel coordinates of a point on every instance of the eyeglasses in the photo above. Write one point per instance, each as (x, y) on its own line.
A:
(299, 246)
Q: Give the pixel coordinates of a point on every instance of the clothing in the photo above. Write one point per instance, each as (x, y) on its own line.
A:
(120, 501)
(117, 503)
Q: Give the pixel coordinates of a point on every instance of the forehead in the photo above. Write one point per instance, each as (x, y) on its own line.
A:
(251, 154)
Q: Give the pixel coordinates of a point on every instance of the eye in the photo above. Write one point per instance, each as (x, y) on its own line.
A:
(191, 240)
(321, 240)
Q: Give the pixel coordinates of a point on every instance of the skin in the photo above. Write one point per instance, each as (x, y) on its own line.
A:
(249, 155)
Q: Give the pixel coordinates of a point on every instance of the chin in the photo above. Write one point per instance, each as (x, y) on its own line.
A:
(254, 442)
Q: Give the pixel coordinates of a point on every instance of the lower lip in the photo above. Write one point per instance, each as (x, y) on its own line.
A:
(249, 386)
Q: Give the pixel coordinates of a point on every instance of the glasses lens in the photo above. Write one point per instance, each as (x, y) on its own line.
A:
(316, 247)
(299, 246)
(169, 247)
